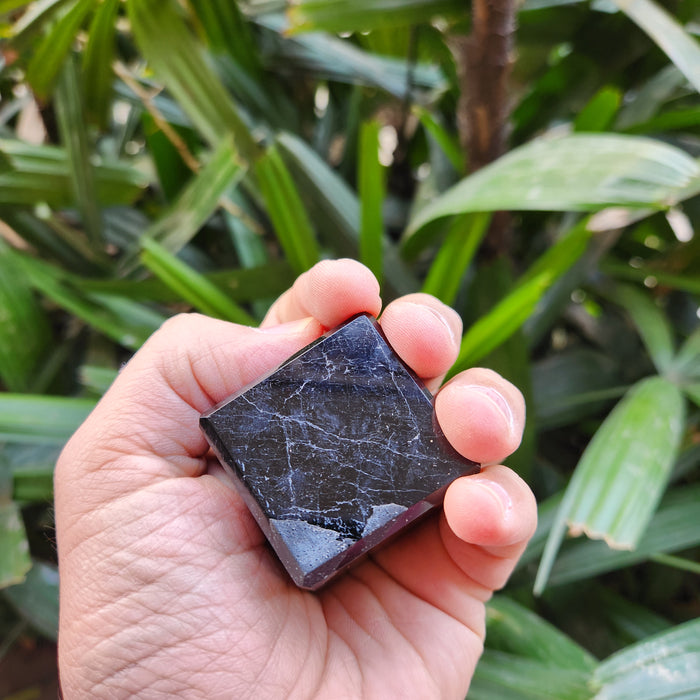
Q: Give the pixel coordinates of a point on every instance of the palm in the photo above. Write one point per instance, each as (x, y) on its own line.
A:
(370, 625)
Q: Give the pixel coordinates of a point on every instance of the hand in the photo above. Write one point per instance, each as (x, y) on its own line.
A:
(167, 586)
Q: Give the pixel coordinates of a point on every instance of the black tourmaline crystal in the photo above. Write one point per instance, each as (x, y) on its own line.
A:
(335, 451)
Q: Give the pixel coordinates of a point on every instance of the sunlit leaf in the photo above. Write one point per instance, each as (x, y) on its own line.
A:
(14, 549)
(365, 15)
(663, 667)
(287, 212)
(41, 419)
(49, 57)
(179, 61)
(371, 189)
(670, 36)
(580, 172)
(623, 472)
(192, 286)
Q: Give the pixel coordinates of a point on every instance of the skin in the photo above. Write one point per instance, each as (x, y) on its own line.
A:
(167, 586)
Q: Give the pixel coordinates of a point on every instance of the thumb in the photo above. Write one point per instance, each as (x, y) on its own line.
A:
(152, 410)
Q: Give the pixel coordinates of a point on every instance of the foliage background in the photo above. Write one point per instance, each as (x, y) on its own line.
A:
(159, 156)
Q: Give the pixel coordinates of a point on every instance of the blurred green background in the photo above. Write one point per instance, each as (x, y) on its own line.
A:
(159, 156)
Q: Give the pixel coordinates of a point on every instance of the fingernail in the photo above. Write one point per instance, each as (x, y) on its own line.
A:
(438, 316)
(497, 399)
(289, 328)
(496, 491)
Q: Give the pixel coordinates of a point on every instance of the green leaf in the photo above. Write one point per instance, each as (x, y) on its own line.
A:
(24, 330)
(674, 527)
(651, 322)
(227, 31)
(97, 62)
(50, 55)
(336, 210)
(365, 15)
(71, 123)
(455, 255)
(623, 472)
(600, 111)
(32, 21)
(179, 61)
(14, 548)
(664, 666)
(580, 172)
(286, 210)
(513, 628)
(502, 676)
(693, 393)
(371, 188)
(668, 34)
(42, 174)
(36, 599)
(448, 143)
(99, 379)
(123, 320)
(686, 364)
(41, 419)
(192, 286)
(196, 203)
(573, 384)
(509, 314)
(324, 56)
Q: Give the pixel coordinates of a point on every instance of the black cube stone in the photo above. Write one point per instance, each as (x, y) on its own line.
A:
(335, 451)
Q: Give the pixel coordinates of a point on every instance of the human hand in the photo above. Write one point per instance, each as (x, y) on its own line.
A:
(167, 586)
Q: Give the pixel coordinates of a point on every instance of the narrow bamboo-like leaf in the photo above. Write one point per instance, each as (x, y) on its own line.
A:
(42, 174)
(24, 330)
(448, 143)
(503, 676)
(371, 187)
(600, 111)
(32, 21)
(14, 549)
(41, 419)
(51, 52)
(328, 57)
(693, 393)
(336, 205)
(97, 61)
(10, 5)
(623, 472)
(687, 362)
(36, 599)
(31, 466)
(663, 667)
(286, 210)
(196, 203)
(581, 172)
(513, 628)
(126, 322)
(570, 385)
(98, 379)
(651, 322)
(686, 283)
(227, 31)
(668, 34)
(508, 315)
(71, 123)
(179, 61)
(192, 286)
(364, 15)
(673, 528)
(455, 255)
(241, 285)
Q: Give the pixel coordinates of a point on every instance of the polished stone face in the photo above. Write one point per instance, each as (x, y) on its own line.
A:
(335, 451)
